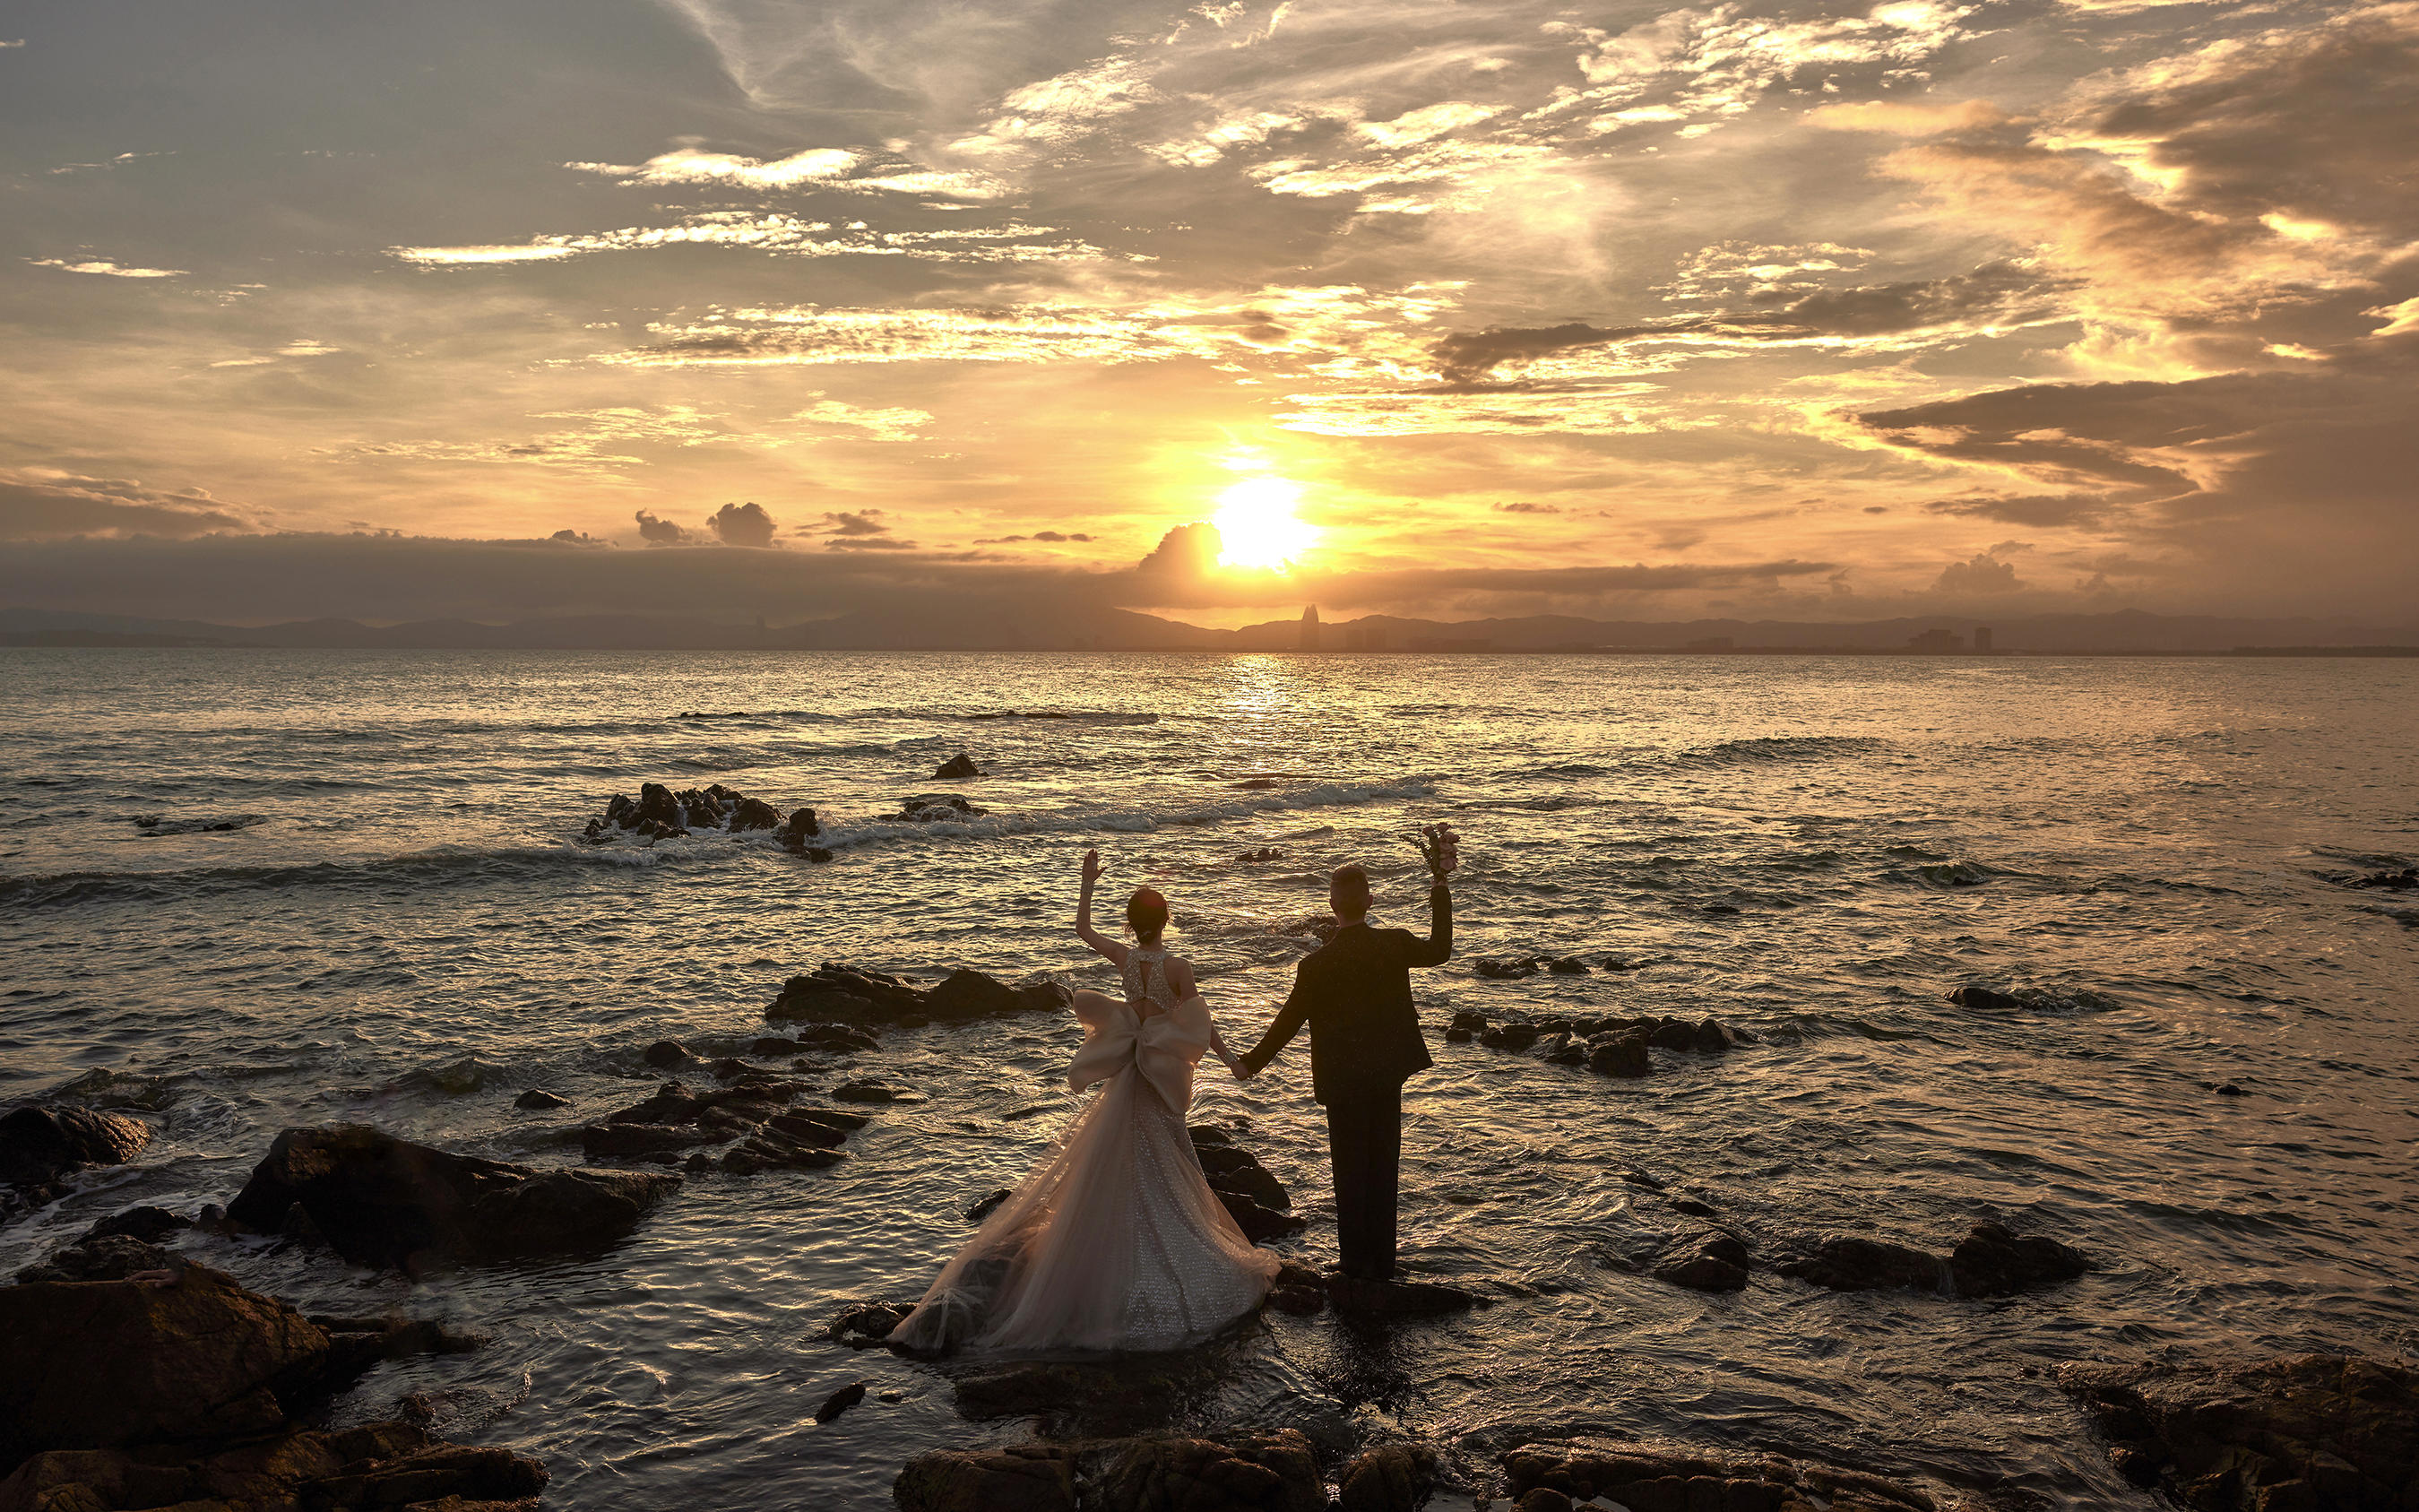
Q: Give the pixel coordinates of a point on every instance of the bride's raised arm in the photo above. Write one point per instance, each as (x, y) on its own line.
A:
(1083, 930)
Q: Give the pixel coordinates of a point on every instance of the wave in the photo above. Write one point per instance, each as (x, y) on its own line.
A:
(436, 865)
(1129, 820)
(1765, 750)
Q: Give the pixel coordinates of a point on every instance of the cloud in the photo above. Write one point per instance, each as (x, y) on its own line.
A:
(572, 537)
(43, 504)
(897, 424)
(596, 446)
(778, 235)
(745, 524)
(853, 523)
(821, 168)
(1527, 507)
(1983, 574)
(868, 543)
(661, 531)
(1188, 552)
(1055, 537)
(105, 269)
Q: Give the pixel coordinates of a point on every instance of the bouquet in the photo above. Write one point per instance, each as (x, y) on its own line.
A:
(1439, 846)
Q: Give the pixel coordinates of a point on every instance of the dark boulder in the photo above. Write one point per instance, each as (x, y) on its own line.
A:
(840, 1401)
(147, 1223)
(966, 994)
(1505, 967)
(2309, 1433)
(1024, 1477)
(1569, 965)
(1661, 1477)
(383, 1201)
(657, 805)
(42, 1143)
(863, 1325)
(1850, 1263)
(957, 768)
(1620, 1055)
(985, 1207)
(1259, 1225)
(801, 826)
(1716, 1263)
(838, 1038)
(1242, 1472)
(1984, 999)
(924, 808)
(538, 1099)
(619, 810)
(866, 1090)
(1239, 1173)
(1990, 1262)
(754, 813)
(848, 995)
(2403, 881)
(1511, 1035)
(377, 1466)
(89, 1364)
(109, 1258)
(665, 1053)
(1393, 1477)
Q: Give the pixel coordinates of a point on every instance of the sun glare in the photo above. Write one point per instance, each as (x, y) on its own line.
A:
(1256, 526)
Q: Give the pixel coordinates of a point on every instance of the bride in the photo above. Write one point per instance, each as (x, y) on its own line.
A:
(1114, 1242)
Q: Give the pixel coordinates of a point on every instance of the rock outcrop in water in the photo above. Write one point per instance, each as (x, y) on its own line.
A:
(1990, 1262)
(383, 1201)
(659, 813)
(1257, 1201)
(753, 1117)
(181, 1392)
(847, 995)
(1609, 1045)
(42, 1145)
(924, 808)
(1656, 1477)
(1234, 1472)
(957, 769)
(2312, 1433)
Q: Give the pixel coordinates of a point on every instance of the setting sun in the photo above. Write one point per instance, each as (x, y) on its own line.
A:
(1256, 525)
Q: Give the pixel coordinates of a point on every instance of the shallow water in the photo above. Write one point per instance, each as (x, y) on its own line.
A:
(399, 926)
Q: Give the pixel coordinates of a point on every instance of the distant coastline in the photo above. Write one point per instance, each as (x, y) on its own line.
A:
(994, 627)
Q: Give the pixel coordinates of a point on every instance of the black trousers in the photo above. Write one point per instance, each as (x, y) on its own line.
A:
(1365, 1141)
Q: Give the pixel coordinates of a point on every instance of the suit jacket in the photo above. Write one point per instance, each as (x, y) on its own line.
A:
(1355, 993)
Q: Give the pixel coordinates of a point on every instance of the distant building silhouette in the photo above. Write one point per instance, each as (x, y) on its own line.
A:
(1937, 641)
(1981, 640)
(1310, 628)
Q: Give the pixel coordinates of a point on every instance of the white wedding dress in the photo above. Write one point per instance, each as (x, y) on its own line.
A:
(1114, 1242)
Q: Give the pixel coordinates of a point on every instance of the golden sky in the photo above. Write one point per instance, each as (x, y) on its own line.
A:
(1780, 310)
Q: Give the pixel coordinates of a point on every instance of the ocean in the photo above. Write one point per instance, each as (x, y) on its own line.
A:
(263, 889)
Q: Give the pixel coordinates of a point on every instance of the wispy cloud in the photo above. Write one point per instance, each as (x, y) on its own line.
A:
(105, 267)
(780, 234)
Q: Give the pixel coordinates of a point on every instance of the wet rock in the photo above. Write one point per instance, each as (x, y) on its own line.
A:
(801, 826)
(835, 1039)
(1394, 1477)
(1850, 1263)
(957, 768)
(665, 1053)
(538, 1099)
(1245, 1472)
(840, 1401)
(924, 808)
(863, 1325)
(1232, 1169)
(377, 1465)
(109, 1258)
(2403, 881)
(1505, 967)
(1543, 1499)
(117, 1091)
(731, 1068)
(1620, 1056)
(89, 1364)
(629, 1141)
(873, 1091)
(2307, 1433)
(383, 1201)
(657, 805)
(2226, 1089)
(1984, 999)
(1514, 1037)
(620, 812)
(1569, 965)
(754, 813)
(1299, 1289)
(1024, 1477)
(847, 994)
(1398, 1299)
(147, 1224)
(985, 1207)
(1257, 784)
(768, 1148)
(1658, 1477)
(1466, 1026)
(42, 1144)
(1716, 1263)
(1259, 1225)
(971, 994)
(1990, 1262)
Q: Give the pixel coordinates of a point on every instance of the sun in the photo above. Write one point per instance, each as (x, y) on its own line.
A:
(1256, 526)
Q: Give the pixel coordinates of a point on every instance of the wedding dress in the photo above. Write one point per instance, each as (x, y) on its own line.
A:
(1115, 1240)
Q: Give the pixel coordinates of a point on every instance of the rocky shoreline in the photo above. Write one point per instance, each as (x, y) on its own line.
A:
(131, 1377)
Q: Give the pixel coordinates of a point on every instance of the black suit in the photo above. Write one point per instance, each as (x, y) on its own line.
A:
(1355, 993)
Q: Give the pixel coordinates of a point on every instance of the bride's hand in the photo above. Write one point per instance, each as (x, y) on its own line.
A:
(1093, 867)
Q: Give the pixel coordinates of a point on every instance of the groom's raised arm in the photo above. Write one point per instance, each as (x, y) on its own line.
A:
(1290, 1021)
(1438, 947)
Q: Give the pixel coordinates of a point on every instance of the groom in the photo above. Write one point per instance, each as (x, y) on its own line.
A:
(1355, 993)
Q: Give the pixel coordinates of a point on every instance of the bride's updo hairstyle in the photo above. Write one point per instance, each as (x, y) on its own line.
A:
(1146, 914)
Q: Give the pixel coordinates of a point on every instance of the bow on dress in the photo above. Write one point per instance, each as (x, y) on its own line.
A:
(1163, 1047)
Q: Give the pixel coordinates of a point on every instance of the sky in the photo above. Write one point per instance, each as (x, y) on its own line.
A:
(742, 308)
